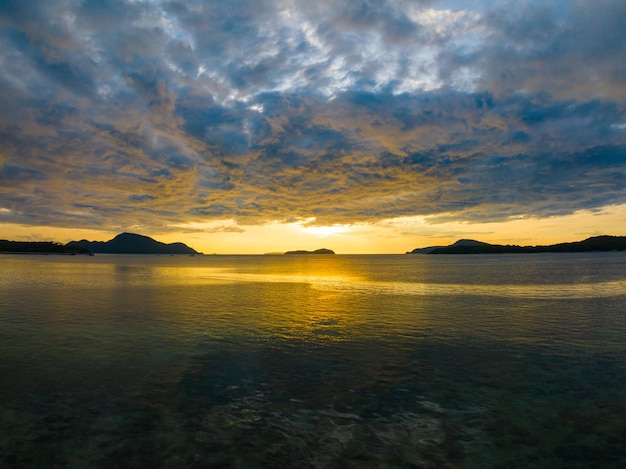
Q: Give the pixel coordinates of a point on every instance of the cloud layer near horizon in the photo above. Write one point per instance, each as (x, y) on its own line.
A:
(161, 113)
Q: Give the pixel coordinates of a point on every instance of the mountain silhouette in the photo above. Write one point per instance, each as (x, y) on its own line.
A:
(460, 242)
(131, 243)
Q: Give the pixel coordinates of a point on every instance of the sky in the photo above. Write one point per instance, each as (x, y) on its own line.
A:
(252, 126)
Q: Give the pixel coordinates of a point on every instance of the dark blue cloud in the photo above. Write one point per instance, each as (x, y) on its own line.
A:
(10, 174)
(161, 173)
(141, 197)
(273, 110)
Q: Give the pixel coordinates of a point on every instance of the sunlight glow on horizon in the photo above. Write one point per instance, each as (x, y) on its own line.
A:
(324, 231)
(392, 236)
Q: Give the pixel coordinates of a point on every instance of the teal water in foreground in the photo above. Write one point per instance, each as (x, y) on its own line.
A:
(313, 361)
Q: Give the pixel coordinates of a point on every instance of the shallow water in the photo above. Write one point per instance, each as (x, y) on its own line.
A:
(313, 361)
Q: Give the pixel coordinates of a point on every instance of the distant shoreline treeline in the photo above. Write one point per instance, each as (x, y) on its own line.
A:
(131, 243)
(125, 243)
(595, 243)
(39, 247)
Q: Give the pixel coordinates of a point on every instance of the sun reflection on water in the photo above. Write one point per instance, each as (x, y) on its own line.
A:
(339, 282)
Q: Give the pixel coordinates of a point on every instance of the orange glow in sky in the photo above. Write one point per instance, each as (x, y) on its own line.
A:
(393, 236)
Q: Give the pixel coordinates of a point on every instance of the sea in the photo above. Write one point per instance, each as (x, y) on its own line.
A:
(313, 361)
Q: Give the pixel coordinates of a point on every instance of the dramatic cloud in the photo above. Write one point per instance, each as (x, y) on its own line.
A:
(164, 114)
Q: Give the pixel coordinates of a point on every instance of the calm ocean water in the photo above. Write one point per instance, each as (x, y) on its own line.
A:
(313, 361)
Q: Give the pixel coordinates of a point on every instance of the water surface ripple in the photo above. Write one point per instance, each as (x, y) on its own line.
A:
(313, 361)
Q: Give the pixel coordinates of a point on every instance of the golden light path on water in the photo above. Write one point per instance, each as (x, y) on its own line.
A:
(326, 277)
(352, 284)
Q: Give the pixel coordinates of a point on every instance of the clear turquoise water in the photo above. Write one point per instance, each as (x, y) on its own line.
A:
(313, 361)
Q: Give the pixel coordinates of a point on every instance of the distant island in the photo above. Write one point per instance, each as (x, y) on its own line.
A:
(125, 243)
(470, 246)
(317, 251)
